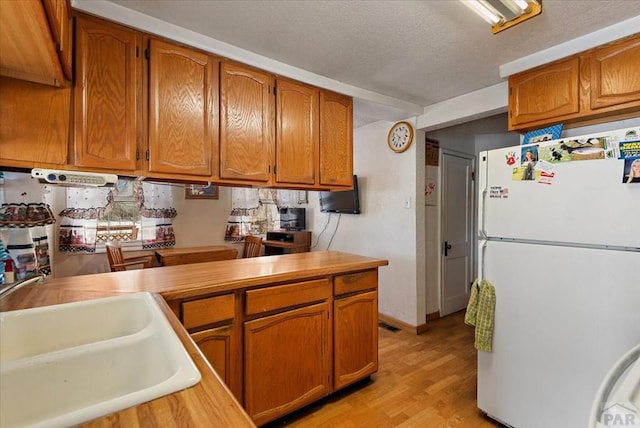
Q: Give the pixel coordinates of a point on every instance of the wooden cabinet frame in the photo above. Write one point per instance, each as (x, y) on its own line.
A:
(601, 84)
(284, 345)
(150, 107)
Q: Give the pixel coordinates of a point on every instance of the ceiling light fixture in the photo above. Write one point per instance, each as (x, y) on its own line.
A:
(503, 14)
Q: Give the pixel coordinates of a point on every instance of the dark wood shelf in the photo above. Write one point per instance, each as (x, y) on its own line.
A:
(287, 241)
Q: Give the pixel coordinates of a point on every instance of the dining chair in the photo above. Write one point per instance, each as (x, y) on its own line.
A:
(117, 261)
(252, 246)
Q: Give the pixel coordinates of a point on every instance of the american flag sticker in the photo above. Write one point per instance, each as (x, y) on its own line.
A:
(498, 192)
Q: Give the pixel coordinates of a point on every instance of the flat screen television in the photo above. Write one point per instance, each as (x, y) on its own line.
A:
(341, 201)
(292, 218)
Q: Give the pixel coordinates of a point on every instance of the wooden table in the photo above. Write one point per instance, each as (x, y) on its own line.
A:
(183, 256)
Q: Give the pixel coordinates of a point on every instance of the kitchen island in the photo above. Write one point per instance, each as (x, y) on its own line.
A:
(235, 311)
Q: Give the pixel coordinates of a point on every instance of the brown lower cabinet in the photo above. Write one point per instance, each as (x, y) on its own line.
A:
(217, 345)
(283, 346)
(211, 322)
(355, 338)
(287, 361)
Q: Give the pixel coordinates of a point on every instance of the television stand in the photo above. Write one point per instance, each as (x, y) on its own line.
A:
(287, 241)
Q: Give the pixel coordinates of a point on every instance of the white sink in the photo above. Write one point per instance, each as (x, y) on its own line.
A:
(66, 364)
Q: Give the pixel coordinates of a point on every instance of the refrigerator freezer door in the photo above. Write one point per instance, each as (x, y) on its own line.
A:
(563, 318)
(585, 202)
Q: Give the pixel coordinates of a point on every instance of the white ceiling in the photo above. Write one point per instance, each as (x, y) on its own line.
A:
(418, 52)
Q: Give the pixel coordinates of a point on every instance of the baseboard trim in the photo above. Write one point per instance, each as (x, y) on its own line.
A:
(401, 324)
(433, 316)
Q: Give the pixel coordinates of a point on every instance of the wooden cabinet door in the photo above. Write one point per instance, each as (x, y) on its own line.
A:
(106, 95)
(546, 92)
(336, 139)
(219, 347)
(246, 123)
(34, 124)
(615, 75)
(28, 50)
(59, 16)
(287, 361)
(297, 133)
(355, 338)
(182, 109)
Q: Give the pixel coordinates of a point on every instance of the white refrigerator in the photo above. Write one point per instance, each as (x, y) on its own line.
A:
(562, 249)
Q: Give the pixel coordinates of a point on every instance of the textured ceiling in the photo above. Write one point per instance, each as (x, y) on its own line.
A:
(422, 52)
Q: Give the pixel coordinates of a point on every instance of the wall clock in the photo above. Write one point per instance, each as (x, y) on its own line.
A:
(400, 136)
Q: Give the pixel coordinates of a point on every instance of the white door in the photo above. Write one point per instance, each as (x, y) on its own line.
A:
(457, 231)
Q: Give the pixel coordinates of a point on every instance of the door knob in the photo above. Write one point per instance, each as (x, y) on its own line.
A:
(447, 247)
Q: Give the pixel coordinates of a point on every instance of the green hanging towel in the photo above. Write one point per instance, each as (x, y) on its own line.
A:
(472, 306)
(480, 314)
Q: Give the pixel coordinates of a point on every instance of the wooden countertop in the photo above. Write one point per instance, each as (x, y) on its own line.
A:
(209, 403)
(181, 256)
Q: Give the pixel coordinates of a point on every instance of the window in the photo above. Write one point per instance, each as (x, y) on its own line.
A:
(120, 216)
(120, 220)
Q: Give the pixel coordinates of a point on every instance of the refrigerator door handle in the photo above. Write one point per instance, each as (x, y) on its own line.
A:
(482, 244)
(482, 185)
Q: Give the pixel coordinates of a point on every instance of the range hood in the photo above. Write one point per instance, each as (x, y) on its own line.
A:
(74, 178)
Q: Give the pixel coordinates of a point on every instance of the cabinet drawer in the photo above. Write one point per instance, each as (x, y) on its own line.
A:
(283, 296)
(350, 283)
(202, 312)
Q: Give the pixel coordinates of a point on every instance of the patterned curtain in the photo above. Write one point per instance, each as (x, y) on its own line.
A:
(79, 224)
(27, 244)
(255, 211)
(155, 218)
(78, 228)
(157, 228)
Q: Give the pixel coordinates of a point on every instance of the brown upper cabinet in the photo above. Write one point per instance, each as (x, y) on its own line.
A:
(336, 140)
(35, 41)
(183, 101)
(113, 105)
(60, 22)
(246, 123)
(145, 106)
(307, 143)
(615, 75)
(34, 124)
(107, 95)
(544, 93)
(297, 133)
(599, 84)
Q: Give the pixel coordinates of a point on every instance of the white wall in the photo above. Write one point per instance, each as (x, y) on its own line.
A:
(385, 229)
(201, 221)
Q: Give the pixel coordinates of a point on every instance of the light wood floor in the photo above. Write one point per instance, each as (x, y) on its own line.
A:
(425, 381)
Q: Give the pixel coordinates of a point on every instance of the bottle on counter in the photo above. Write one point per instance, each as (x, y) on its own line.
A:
(6, 266)
(9, 274)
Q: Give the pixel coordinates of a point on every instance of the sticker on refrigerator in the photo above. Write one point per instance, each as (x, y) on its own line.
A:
(511, 157)
(498, 192)
(629, 149)
(547, 172)
(631, 170)
(579, 149)
(527, 171)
